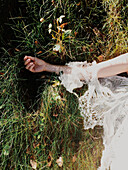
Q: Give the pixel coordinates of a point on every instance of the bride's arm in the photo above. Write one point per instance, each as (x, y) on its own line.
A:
(112, 67)
(104, 69)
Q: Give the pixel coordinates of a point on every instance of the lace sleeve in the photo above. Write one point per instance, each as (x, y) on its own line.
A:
(79, 75)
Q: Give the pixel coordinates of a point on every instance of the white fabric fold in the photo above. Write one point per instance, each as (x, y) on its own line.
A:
(105, 103)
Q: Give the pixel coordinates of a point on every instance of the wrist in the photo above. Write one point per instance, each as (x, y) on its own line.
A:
(52, 68)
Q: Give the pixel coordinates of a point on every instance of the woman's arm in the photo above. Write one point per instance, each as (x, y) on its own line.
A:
(36, 65)
(113, 66)
(104, 69)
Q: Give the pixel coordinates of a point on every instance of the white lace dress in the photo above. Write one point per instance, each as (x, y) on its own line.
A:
(105, 103)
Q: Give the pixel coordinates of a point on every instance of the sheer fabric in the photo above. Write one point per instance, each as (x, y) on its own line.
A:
(105, 103)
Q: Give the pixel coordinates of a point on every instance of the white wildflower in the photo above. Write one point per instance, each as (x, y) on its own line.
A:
(59, 28)
(60, 18)
(49, 31)
(50, 26)
(68, 31)
(41, 19)
(56, 96)
(6, 152)
(57, 48)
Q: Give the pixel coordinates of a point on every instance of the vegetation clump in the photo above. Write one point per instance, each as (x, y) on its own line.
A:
(41, 126)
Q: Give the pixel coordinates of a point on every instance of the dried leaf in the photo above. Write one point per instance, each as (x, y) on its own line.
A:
(81, 142)
(78, 4)
(74, 158)
(49, 163)
(50, 158)
(33, 164)
(60, 161)
(4, 90)
(55, 115)
(16, 49)
(36, 145)
(75, 33)
(91, 49)
(39, 52)
(53, 37)
(84, 48)
(62, 25)
(36, 42)
(100, 58)
(28, 150)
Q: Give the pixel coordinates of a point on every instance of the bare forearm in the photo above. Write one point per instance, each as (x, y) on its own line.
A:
(57, 68)
(103, 69)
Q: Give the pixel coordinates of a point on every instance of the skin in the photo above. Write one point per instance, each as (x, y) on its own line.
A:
(104, 69)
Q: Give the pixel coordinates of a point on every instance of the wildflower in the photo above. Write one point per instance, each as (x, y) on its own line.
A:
(59, 28)
(60, 18)
(49, 28)
(57, 48)
(68, 31)
(56, 96)
(6, 152)
(41, 19)
(49, 31)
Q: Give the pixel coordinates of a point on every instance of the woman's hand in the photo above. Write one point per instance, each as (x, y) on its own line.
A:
(34, 64)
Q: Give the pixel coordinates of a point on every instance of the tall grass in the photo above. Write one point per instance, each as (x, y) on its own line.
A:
(116, 24)
(50, 126)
